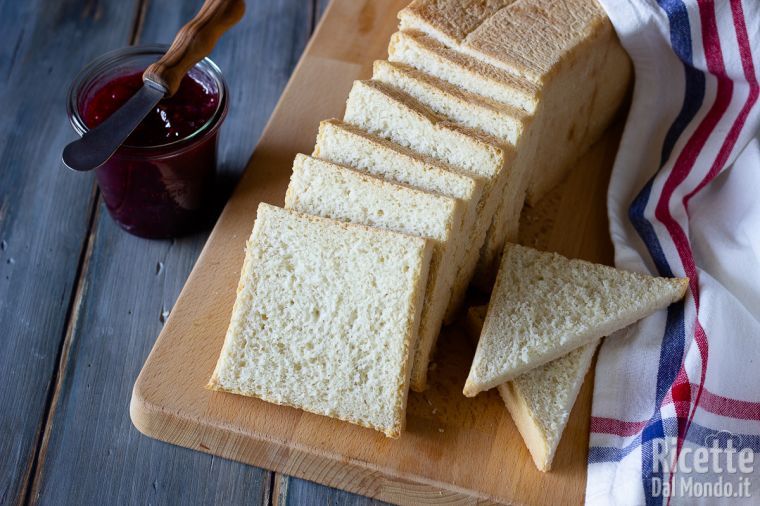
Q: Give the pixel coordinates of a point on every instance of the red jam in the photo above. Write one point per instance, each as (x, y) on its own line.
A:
(172, 119)
(158, 183)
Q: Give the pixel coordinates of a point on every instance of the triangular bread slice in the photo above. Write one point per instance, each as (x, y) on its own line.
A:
(449, 21)
(540, 401)
(396, 116)
(326, 318)
(325, 189)
(544, 306)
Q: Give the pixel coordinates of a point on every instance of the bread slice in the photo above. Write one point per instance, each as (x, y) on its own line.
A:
(345, 144)
(398, 117)
(326, 318)
(503, 122)
(426, 54)
(449, 21)
(389, 113)
(544, 306)
(540, 401)
(325, 189)
(350, 146)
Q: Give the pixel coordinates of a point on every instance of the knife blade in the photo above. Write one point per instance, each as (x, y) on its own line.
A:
(96, 146)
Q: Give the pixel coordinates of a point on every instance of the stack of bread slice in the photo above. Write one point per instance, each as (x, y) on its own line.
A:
(545, 318)
(437, 151)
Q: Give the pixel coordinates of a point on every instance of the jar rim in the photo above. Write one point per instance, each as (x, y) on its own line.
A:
(104, 61)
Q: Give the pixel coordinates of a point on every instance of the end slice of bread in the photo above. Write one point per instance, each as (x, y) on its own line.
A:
(325, 318)
(540, 401)
(570, 49)
(542, 34)
(544, 306)
(449, 21)
(325, 189)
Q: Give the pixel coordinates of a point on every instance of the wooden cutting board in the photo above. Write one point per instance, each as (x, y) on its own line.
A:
(455, 450)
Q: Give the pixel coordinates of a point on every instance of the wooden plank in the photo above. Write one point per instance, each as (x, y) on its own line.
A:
(91, 454)
(455, 449)
(45, 210)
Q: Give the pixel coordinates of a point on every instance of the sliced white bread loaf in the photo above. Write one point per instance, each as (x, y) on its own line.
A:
(449, 21)
(325, 189)
(350, 146)
(577, 84)
(398, 117)
(540, 401)
(506, 124)
(544, 306)
(326, 318)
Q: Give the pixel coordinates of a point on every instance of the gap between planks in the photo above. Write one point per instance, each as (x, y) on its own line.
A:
(31, 480)
(43, 433)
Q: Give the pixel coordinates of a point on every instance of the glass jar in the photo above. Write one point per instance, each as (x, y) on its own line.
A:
(160, 189)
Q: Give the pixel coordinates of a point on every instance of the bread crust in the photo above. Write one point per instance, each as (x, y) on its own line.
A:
(450, 20)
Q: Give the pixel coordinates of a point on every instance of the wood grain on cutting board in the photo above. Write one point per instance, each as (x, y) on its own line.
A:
(455, 449)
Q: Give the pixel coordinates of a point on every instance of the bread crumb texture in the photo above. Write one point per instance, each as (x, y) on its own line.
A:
(325, 317)
(544, 305)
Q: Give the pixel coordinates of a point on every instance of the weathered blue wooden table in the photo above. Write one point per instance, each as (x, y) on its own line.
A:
(81, 301)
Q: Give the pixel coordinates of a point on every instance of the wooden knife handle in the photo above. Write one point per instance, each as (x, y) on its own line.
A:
(194, 42)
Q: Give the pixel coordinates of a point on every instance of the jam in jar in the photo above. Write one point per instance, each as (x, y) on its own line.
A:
(158, 183)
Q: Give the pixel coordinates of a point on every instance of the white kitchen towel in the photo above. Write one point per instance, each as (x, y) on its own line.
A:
(676, 409)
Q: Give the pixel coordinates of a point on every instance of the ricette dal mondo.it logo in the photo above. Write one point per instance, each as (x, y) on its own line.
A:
(719, 469)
